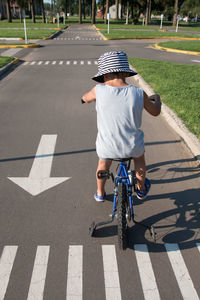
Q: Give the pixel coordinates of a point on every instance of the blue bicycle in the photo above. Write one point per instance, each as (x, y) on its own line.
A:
(124, 185)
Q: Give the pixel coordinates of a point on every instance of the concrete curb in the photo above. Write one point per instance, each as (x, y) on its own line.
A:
(191, 141)
(156, 46)
(56, 33)
(8, 66)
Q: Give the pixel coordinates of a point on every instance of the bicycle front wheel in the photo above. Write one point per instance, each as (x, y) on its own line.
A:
(121, 216)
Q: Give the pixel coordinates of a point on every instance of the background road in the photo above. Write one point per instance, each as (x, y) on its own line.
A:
(46, 252)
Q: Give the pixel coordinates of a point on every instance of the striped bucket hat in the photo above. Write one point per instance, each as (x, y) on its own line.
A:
(110, 62)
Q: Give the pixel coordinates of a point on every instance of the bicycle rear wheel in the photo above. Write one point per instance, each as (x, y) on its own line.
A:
(121, 216)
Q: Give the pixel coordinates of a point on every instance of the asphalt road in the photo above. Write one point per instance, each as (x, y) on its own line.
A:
(46, 252)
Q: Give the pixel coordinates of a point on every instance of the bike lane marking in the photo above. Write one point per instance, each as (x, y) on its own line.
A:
(6, 264)
(181, 272)
(75, 273)
(146, 272)
(111, 276)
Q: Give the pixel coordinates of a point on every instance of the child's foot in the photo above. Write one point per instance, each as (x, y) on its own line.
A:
(99, 198)
(143, 194)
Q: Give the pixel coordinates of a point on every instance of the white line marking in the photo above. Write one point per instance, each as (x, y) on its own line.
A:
(96, 62)
(54, 62)
(75, 273)
(181, 272)
(75, 62)
(26, 63)
(6, 264)
(36, 288)
(33, 62)
(82, 62)
(40, 62)
(89, 62)
(47, 62)
(68, 62)
(111, 277)
(198, 246)
(198, 61)
(61, 62)
(147, 277)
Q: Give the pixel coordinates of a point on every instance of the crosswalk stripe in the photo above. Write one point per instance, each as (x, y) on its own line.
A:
(40, 62)
(74, 274)
(54, 62)
(61, 62)
(181, 272)
(6, 264)
(147, 277)
(33, 63)
(198, 246)
(111, 277)
(39, 273)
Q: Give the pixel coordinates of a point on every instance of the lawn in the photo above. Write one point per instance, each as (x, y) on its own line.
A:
(39, 24)
(117, 34)
(178, 86)
(31, 33)
(4, 60)
(183, 45)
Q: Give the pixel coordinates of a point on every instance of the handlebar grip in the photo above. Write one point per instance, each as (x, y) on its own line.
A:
(82, 101)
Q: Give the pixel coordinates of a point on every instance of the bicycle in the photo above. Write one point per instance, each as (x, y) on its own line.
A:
(124, 185)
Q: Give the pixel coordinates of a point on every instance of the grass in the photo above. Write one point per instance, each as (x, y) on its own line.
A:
(178, 86)
(31, 33)
(186, 45)
(117, 34)
(4, 60)
(39, 24)
(126, 27)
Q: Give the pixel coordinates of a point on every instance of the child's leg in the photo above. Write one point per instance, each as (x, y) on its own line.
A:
(104, 166)
(140, 172)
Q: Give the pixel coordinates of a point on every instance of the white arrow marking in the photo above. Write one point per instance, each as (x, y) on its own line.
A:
(39, 179)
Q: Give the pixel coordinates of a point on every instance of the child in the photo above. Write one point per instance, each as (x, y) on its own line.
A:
(119, 116)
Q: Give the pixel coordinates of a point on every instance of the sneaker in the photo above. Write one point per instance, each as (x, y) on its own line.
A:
(143, 194)
(99, 198)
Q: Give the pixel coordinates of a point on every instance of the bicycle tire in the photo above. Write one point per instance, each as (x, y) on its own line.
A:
(121, 217)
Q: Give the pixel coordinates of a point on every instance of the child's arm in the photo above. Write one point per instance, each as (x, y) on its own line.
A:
(90, 96)
(152, 104)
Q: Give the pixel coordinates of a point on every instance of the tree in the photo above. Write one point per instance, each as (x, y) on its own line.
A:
(117, 9)
(191, 7)
(175, 12)
(8, 10)
(107, 10)
(80, 11)
(93, 11)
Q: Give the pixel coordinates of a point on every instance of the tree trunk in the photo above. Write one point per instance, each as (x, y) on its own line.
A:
(103, 12)
(33, 11)
(43, 11)
(175, 12)
(80, 11)
(147, 13)
(84, 17)
(117, 9)
(107, 10)
(66, 9)
(93, 11)
(8, 10)
(127, 12)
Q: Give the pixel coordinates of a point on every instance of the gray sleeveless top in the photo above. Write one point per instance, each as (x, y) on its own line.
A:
(119, 118)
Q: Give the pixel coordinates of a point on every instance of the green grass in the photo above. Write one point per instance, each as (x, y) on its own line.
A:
(31, 33)
(178, 86)
(183, 45)
(29, 24)
(4, 60)
(126, 27)
(117, 34)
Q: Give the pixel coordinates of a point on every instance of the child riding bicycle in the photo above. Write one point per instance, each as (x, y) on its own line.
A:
(119, 109)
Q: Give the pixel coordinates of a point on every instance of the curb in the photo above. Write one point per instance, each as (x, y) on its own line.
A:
(175, 50)
(20, 46)
(190, 140)
(56, 33)
(9, 66)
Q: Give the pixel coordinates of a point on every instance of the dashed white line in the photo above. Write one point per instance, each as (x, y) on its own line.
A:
(75, 273)
(111, 276)
(54, 62)
(33, 63)
(181, 272)
(36, 288)
(194, 60)
(147, 277)
(6, 264)
(61, 62)
(47, 62)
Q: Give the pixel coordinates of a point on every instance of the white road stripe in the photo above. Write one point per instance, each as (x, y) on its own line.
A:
(26, 63)
(111, 277)
(6, 264)
(181, 272)
(75, 62)
(68, 62)
(47, 62)
(75, 273)
(147, 277)
(89, 62)
(96, 62)
(32, 63)
(198, 246)
(54, 62)
(36, 288)
(194, 60)
(82, 62)
(61, 62)
(40, 62)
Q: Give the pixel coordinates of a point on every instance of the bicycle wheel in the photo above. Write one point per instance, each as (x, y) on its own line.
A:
(121, 216)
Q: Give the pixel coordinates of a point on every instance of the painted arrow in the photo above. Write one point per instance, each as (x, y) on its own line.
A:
(39, 179)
